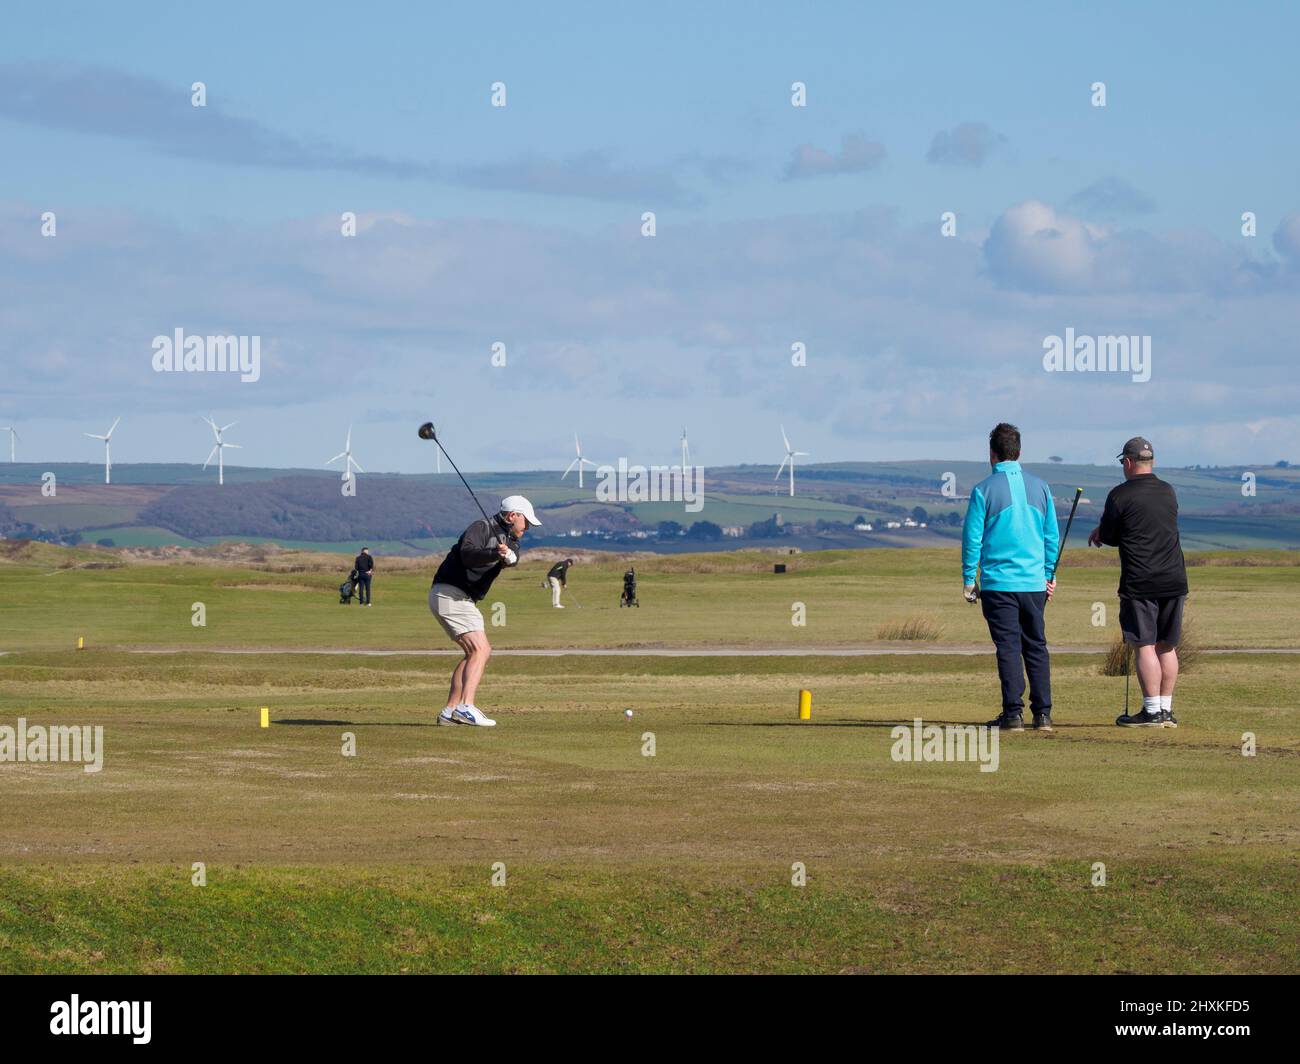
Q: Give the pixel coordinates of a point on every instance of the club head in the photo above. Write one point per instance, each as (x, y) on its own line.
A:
(427, 431)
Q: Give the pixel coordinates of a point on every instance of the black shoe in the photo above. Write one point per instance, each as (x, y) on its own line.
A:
(1168, 719)
(1007, 722)
(1141, 719)
(1043, 721)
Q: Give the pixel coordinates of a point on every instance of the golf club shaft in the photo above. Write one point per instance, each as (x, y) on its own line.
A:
(1078, 494)
(462, 479)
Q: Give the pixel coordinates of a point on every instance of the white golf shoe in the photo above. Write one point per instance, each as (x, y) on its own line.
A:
(466, 714)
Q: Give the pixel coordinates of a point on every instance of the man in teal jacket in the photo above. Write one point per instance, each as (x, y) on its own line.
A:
(1010, 537)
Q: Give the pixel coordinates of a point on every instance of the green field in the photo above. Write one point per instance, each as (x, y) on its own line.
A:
(617, 861)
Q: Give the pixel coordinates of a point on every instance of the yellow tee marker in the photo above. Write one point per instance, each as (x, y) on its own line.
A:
(266, 717)
(805, 705)
(81, 642)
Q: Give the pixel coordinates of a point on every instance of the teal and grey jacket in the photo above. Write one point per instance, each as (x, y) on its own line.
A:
(1010, 532)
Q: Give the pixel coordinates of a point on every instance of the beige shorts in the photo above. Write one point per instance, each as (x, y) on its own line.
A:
(455, 610)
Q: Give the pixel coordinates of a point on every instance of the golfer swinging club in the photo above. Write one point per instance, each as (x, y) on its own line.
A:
(463, 579)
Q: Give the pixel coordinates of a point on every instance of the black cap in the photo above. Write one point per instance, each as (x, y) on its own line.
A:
(1139, 449)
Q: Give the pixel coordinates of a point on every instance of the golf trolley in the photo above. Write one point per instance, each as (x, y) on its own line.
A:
(348, 588)
(628, 597)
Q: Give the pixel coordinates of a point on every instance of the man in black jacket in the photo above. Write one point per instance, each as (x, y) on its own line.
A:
(365, 567)
(463, 579)
(558, 578)
(1141, 519)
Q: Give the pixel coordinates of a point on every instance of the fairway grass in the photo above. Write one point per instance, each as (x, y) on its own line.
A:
(1231, 915)
(616, 861)
(842, 599)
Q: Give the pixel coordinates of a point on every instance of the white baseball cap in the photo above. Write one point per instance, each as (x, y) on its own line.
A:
(518, 504)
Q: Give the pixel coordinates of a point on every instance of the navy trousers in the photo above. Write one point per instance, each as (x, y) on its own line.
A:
(1015, 621)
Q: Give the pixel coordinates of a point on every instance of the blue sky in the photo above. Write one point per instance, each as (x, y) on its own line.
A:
(775, 224)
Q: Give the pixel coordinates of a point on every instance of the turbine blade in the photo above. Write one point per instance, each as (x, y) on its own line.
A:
(236, 446)
(354, 462)
(570, 469)
(211, 456)
(343, 454)
(110, 431)
(347, 446)
(785, 439)
(94, 436)
(781, 467)
(230, 426)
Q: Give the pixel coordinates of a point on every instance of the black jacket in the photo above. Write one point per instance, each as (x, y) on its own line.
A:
(363, 563)
(1141, 519)
(473, 563)
(559, 571)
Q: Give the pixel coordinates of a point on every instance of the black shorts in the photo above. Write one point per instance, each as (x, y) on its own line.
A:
(1146, 621)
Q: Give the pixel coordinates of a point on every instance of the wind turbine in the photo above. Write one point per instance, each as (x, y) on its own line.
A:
(790, 456)
(686, 452)
(346, 453)
(13, 436)
(578, 461)
(108, 462)
(219, 450)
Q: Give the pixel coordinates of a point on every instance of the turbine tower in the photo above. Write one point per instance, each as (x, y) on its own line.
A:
(578, 461)
(13, 436)
(790, 456)
(108, 461)
(346, 454)
(686, 452)
(219, 450)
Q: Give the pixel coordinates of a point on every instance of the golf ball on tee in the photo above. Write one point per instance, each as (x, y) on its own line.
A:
(627, 713)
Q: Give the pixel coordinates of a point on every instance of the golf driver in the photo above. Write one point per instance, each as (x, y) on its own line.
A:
(1078, 494)
(427, 432)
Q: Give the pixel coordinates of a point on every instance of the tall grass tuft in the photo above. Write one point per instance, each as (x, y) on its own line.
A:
(918, 627)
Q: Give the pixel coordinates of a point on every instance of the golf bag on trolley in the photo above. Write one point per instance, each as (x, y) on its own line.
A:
(347, 588)
(628, 597)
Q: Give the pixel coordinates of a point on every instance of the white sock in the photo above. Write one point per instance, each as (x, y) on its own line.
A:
(1151, 704)
(1167, 702)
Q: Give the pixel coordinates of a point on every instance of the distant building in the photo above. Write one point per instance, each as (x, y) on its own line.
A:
(892, 524)
(862, 526)
(734, 531)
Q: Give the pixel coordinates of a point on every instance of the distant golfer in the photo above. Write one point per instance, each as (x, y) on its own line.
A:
(464, 578)
(557, 578)
(1141, 519)
(365, 567)
(1010, 536)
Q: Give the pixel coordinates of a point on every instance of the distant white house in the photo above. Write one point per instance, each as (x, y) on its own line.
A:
(908, 523)
(892, 524)
(734, 531)
(863, 526)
